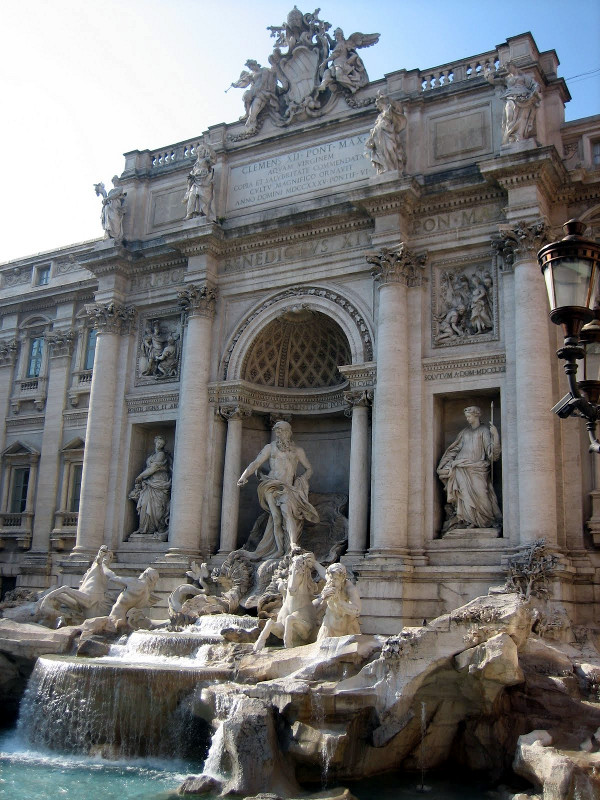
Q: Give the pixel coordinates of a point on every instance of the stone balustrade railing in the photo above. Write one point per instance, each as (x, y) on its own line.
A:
(16, 526)
(170, 155)
(458, 71)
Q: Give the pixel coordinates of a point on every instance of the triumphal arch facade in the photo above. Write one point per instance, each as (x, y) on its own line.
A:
(356, 258)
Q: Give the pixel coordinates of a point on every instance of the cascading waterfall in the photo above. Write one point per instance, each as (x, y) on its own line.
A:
(115, 711)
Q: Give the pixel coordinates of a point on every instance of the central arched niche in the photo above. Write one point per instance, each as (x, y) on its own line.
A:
(299, 351)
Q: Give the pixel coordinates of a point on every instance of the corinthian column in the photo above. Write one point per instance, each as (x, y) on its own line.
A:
(394, 270)
(358, 489)
(231, 472)
(534, 357)
(191, 436)
(111, 320)
(60, 346)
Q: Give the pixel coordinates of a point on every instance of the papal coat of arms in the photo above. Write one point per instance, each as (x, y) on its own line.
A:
(303, 81)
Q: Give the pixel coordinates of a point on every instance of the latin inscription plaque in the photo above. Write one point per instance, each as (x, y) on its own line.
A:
(312, 169)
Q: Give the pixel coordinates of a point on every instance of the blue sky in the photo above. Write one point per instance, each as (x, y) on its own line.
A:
(86, 80)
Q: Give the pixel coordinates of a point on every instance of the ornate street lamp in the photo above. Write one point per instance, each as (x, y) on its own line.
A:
(571, 269)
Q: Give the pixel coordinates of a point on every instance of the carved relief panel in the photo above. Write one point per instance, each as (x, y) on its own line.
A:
(159, 347)
(464, 303)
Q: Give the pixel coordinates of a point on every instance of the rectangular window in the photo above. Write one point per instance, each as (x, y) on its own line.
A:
(18, 499)
(90, 349)
(36, 350)
(76, 471)
(596, 154)
(43, 276)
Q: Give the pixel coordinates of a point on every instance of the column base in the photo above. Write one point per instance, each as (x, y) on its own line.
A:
(179, 555)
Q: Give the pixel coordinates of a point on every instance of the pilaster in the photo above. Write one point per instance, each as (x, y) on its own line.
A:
(234, 415)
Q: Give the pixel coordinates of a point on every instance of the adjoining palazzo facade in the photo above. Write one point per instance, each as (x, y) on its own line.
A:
(269, 270)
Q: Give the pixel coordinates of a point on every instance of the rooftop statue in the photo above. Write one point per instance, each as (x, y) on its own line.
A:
(346, 67)
(112, 209)
(383, 146)
(521, 101)
(281, 493)
(199, 194)
(300, 82)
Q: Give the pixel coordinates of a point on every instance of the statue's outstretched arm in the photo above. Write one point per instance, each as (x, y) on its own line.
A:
(260, 459)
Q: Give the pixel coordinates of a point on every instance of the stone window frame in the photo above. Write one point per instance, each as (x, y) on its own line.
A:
(81, 377)
(65, 520)
(25, 386)
(42, 275)
(18, 525)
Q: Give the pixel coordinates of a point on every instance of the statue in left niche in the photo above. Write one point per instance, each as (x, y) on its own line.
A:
(200, 185)
(113, 203)
(152, 493)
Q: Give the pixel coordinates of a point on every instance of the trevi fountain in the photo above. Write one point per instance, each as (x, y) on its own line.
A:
(284, 506)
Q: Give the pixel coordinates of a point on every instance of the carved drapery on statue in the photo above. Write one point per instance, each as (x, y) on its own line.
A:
(152, 493)
(113, 209)
(299, 83)
(384, 146)
(522, 99)
(199, 193)
(465, 471)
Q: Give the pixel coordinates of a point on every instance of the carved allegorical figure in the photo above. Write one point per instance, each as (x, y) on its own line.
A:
(112, 209)
(281, 493)
(296, 620)
(152, 492)
(521, 101)
(261, 85)
(199, 194)
(137, 594)
(383, 146)
(465, 305)
(345, 65)
(300, 82)
(66, 605)
(342, 604)
(160, 352)
(464, 469)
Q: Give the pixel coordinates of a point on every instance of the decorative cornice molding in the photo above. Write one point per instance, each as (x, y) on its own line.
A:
(268, 401)
(198, 301)
(61, 343)
(360, 376)
(398, 265)
(142, 404)
(457, 368)
(111, 317)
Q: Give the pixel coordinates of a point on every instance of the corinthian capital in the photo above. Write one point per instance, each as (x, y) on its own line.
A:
(111, 317)
(521, 239)
(198, 300)
(398, 265)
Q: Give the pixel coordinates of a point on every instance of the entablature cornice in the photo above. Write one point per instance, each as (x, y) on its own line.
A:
(579, 192)
(388, 197)
(360, 376)
(305, 232)
(541, 166)
(266, 400)
(459, 199)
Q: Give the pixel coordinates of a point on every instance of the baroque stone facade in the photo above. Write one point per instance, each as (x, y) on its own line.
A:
(356, 257)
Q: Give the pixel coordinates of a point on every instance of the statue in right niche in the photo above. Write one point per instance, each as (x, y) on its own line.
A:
(465, 470)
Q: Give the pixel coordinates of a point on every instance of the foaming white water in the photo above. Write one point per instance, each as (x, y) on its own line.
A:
(212, 625)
